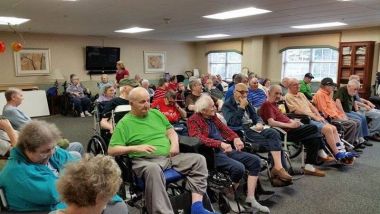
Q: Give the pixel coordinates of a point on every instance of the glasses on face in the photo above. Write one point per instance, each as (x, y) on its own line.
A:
(254, 82)
(242, 92)
(45, 155)
(278, 93)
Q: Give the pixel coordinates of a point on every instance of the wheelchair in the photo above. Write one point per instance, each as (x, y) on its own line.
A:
(218, 180)
(98, 143)
(180, 198)
(251, 147)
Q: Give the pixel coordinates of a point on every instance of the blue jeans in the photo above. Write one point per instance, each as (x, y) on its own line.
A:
(362, 121)
(236, 162)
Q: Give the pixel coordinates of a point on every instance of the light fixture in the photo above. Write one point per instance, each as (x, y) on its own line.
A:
(249, 11)
(12, 20)
(212, 36)
(133, 30)
(69, 0)
(320, 25)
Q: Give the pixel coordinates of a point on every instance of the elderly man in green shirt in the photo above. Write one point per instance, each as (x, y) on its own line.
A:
(305, 87)
(150, 140)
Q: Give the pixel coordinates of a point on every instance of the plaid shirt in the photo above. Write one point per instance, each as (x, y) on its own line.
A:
(197, 127)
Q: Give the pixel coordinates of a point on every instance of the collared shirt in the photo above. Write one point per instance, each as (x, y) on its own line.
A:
(324, 103)
(298, 102)
(305, 88)
(256, 97)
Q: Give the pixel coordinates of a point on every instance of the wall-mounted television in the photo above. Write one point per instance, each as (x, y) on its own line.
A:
(101, 59)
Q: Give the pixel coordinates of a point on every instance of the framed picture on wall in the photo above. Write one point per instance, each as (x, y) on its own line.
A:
(32, 61)
(154, 61)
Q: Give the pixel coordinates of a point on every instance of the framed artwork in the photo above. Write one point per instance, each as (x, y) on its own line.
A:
(154, 61)
(32, 61)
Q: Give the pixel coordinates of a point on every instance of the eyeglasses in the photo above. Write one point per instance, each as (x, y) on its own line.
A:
(242, 92)
(46, 154)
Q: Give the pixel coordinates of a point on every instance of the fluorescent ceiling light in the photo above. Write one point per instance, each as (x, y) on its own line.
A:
(133, 30)
(320, 25)
(12, 20)
(69, 0)
(212, 36)
(249, 11)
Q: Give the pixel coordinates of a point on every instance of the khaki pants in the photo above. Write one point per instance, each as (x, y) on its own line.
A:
(193, 166)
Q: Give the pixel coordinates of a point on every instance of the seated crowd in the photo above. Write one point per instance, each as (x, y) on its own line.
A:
(211, 110)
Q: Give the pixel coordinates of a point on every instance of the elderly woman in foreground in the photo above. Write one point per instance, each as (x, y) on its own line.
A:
(28, 179)
(82, 185)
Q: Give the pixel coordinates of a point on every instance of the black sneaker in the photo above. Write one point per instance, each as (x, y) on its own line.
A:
(367, 143)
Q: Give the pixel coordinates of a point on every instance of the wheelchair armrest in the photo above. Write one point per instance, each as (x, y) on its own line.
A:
(304, 118)
(239, 131)
(189, 144)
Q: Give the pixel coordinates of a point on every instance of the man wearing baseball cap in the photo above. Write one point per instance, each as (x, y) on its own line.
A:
(325, 104)
(305, 86)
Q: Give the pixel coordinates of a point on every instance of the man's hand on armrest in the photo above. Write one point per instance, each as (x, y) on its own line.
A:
(121, 150)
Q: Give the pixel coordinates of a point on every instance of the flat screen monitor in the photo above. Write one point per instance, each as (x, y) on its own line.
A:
(101, 59)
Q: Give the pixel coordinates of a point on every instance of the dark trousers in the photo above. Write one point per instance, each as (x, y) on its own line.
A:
(270, 139)
(310, 137)
(236, 162)
(81, 104)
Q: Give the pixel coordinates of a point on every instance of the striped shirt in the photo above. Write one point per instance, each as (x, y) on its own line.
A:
(256, 97)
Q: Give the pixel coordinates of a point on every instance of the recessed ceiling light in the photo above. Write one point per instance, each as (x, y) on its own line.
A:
(320, 25)
(12, 20)
(344, 0)
(212, 36)
(133, 30)
(249, 11)
(69, 0)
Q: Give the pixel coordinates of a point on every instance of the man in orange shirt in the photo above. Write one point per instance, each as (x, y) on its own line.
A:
(325, 104)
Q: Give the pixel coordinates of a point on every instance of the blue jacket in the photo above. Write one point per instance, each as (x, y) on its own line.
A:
(234, 114)
(29, 186)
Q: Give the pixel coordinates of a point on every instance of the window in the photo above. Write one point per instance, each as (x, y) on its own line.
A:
(225, 64)
(321, 62)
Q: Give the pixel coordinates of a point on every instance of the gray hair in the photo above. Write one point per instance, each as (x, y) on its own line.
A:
(274, 87)
(354, 77)
(203, 102)
(144, 81)
(285, 81)
(192, 83)
(353, 82)
(10, 92)
(292, 81)
(37, 133)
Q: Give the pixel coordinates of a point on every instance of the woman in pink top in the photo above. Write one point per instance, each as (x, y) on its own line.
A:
(121, 72)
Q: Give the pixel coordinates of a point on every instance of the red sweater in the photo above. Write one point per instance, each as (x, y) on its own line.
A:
(198, 127)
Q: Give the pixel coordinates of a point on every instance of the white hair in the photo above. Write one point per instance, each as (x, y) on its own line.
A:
(203, 102)
(144, 81)
(353, 82)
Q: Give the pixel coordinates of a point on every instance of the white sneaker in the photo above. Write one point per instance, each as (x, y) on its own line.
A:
(257, 205)
(82, 114)
(88, 113)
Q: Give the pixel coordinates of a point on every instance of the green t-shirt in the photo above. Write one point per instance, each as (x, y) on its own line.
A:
(306, 89)
(346, 100)
(149, 130)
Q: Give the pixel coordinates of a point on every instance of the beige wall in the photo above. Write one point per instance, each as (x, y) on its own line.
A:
(68, 55)
(261, 53)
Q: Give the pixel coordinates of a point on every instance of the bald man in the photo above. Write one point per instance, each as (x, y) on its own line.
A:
(149, 139)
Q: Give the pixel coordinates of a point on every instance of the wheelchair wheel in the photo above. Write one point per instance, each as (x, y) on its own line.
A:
(294, 149)
(96, 145)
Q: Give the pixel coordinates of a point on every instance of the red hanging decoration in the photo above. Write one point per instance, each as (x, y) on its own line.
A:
(16, 46)
(2, 47)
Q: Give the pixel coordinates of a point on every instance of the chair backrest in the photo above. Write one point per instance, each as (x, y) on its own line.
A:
(119, 113)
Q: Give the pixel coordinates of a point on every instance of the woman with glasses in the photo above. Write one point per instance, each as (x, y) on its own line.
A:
(28, 179)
